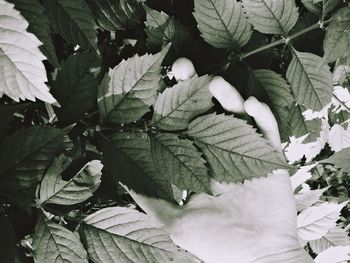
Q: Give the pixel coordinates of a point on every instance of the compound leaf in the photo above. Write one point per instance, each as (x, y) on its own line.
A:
(222, 23)
(233, 149)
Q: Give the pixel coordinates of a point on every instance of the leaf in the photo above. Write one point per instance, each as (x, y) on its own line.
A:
(339, 254)
(335, 237)
(337, 40)
(33, 12)
(301, 175)
(75, 86)
(127, 158)
(24, 157)
(74, 21)
(311, 83)
(341, 73)
(178, 105)
(222, 23)
(306, 197)
(314, 222)
(340, 159)
(8, 240)
(130, 88)
(180, 162)
(6, 116)
(271, 16)
(119, 234)
(339, 137)
(55, 243)
(23, 72)
(55, 190)
(118, 14)
(322, 7)
(278, 93)
(233, 149)
(162, 29)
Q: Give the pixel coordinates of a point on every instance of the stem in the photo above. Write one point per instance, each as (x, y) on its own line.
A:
(342, 103)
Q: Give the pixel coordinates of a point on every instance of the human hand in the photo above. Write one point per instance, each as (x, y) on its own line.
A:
(243, 223)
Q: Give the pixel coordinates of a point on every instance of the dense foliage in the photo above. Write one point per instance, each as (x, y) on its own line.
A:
(89, 103)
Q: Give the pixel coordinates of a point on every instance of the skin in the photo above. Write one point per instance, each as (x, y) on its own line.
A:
(252, 222)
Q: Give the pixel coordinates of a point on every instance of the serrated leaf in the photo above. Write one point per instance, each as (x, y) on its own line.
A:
(75, 86)
(278, 93)
(74, 21)
(233, 149)
(180, 162)
(119, 234)
(314, 222)
(23, 72)
(24, 156)
(340, 159)
(178, 105)
(310, 80)
(55, 243)
(163, 29)
(341, 73)
(127, 158)
(271, 16)
(222, 23)
(33, 12)
(321, 8)
(6, 116)
(337, 40)
(339, 254)
(55, 190)
(306, 197)
(335, 237)
(339, 137)
(301, 175)
(118, 14)
(130, 88)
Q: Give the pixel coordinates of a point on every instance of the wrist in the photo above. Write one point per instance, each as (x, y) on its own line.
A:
(298, 255)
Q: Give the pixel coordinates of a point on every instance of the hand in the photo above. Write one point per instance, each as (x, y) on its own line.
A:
(253, 222)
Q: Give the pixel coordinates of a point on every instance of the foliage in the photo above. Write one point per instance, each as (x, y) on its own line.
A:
(101, 110)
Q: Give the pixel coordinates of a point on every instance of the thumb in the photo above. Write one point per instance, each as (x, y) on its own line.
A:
(160, 210)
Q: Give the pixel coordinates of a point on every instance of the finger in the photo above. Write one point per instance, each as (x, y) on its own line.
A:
(265, 120)
(160, 210)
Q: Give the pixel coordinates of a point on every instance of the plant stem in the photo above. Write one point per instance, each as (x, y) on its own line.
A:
(342, 103)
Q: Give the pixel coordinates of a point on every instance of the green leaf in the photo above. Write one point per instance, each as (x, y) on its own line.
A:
(322, 7)
(74, 21)
(178, 105)
(300, 126)
(76, 86)
(127, 158)
(33, 12)
(233, 149)
(23, 72)
(130, 88)
(271, 16)
(8, 240)
(180, 162)
(55, 243)
(55, 190)
(340, 159)
(24, 157)
(117, 14)
(341, 73)
(6, 116)
(222, 23)
(337, 41)
(311, 81)
(278, 92)
(163, 29)
(118, 233)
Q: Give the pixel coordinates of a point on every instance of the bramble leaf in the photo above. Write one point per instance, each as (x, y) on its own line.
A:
(74, 21)
(271, 16)
(55, 243)
(310, 80)
(122, 233)
(233, 149)
(178, 105)
(23, 72)
(338, 254)
(322, 7)
(222, 23)
(340, 159)
(130, 88)
(335, 237)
